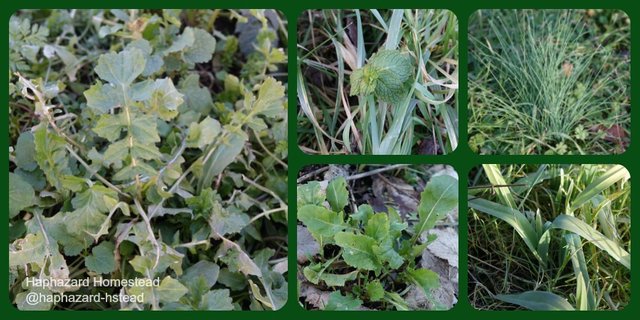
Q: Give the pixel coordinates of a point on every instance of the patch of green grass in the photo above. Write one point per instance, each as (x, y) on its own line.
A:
(563, 239)
(549, 82)
(335, 119)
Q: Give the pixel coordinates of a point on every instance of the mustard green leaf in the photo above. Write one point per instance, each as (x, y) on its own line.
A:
(102, 259)
(375, 290)
(120, 69)
(24, 304)
(21, 194)
(218, 299)
(51, 155)
(202, 269)
(337, 193)
(56, 227)
(225, 221)
(357, 250)
(316, 273)
(338, 302)
(386, 252)
(110, 126)
(310, 193)
(204, 44)
(377, 227)
(139, 91)
(170, 290)
(31, 249)
(439, 197)
(241, 260)
(197, 99)
(26, 152)
(144, 131)
(165, 99)
(425, 279)
(90, 211)
(186, 39)
(270, 101)
(142, 149)
(321, 222)
(363, 214)
(103, 98)
(154, 60)
(203, 133)
(116, 153)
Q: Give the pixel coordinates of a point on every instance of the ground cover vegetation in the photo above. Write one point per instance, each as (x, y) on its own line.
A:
(549, 82)
(148, 144)
(385, 245)
(377, 81)
(549, 237)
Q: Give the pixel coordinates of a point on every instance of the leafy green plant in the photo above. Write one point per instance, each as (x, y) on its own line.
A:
(387, 76)
(587, 222)
(125, 167)
(368, 258)
(547, 82)
(377, 81)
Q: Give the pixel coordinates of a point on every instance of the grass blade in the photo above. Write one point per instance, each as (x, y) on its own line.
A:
(305, 105)
(575, 225)
(450, 122)
(607, 179)
(585, 298)
(393, 34)
(513, 217)
(496, 179)
(360, 51)
(606, 220)
(378, 17)
(537, 300)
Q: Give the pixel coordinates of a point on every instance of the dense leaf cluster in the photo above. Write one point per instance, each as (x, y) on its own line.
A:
(149, 144)
(368, 258)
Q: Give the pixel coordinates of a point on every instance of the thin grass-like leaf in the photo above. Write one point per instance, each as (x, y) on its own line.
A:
(496, 179)
(305, 105)
(360, 50)
(530, 180)
(577, 226)
(606, 220)
(513, 217)
(607, 179)
(450, 123)
(378, 17)
(395, 30)
(585, 298)
(537, 300)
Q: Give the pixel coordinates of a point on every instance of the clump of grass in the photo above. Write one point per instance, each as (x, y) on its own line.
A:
(335, 119)
(549, 237)
(547, 82)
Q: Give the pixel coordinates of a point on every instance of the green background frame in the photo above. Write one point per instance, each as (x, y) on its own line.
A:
(462, 159)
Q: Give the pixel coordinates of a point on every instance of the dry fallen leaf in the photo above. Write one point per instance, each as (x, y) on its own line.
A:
(446, 245)
(567, 69)
(314, 296)
(307, 246)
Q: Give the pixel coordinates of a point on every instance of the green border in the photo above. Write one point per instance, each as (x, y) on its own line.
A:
(462, 159)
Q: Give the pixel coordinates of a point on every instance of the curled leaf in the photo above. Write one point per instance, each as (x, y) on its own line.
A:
(387, 76)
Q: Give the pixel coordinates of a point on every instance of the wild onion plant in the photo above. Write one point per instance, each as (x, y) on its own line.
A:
(542, 81)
